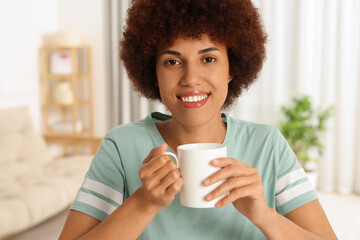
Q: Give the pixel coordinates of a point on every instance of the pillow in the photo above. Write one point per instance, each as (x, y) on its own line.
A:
(19, 142)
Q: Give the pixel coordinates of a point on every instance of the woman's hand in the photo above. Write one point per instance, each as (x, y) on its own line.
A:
(244, 185)
(160, 178)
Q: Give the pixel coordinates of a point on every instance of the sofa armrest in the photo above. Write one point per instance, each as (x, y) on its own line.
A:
(74, 141)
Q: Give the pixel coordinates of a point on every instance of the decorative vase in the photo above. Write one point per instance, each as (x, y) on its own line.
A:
(63, 93)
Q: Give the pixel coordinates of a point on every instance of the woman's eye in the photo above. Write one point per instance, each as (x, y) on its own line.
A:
(209, 59)
(172, 62)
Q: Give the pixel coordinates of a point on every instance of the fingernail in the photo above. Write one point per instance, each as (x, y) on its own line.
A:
(218, 205)
(206, 181)
(208, 197)
(214, 161)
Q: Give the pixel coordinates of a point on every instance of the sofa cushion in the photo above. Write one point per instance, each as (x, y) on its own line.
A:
(31, 194)
(19, 141)
(33, 186)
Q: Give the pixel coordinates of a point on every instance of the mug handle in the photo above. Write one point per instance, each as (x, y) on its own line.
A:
(174, 156)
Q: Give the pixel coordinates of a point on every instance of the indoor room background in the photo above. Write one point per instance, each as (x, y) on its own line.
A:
(313, 49)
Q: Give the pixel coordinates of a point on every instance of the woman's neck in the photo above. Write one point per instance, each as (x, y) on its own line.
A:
(176, 134)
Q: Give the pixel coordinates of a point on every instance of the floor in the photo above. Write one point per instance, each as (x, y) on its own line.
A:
(48, 230)
(343, 212)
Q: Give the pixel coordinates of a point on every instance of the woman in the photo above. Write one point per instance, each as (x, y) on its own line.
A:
(196, 57)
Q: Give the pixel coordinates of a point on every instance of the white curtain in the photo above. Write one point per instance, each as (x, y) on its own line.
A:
(126, 105)
(313, 48)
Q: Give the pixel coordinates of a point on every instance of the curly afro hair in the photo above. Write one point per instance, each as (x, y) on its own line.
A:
(154, 25)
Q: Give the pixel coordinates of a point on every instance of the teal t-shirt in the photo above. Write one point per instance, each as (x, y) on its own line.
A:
(113, 177)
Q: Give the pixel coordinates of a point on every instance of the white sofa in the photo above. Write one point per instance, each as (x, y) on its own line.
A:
(33, 186)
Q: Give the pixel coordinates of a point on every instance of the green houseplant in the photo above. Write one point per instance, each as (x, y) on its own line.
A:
(302, 128)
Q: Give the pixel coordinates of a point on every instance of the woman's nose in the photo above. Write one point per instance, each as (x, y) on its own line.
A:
(192, 76)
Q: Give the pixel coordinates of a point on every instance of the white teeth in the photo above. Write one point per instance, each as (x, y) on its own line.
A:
(193, 98)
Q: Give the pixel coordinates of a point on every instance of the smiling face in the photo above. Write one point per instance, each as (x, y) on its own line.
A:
(193, 76)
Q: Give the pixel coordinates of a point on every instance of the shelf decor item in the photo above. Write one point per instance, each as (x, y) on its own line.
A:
(63, 93)
(303, 127)
(61, 62)
(63, 38)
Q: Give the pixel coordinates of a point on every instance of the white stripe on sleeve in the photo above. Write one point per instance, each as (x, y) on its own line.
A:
(289, 179)
(293, 192)
(104, 190)
(95, 202)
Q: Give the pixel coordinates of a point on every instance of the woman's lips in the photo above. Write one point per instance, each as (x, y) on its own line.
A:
(193, 99)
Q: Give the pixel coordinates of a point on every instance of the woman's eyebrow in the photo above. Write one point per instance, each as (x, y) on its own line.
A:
(200, 51)
(171, 52)
(208, 50)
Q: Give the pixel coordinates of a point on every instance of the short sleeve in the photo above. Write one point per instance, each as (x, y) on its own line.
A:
(293, 188)
(103, 188)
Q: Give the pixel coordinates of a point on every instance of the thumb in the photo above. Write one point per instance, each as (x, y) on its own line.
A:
(156, 151)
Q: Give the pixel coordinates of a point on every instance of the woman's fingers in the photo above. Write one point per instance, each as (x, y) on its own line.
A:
(168, 186)
(155, 151)
(175, 187)
(164, 170)
(241, 180)
(230, 184)
(153, 179)
(169, 179)
(160, 177)
(246, 191)
(156, 163)
(224, 162)
(230, 168)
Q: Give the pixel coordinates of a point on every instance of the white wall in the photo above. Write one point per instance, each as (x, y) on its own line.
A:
(22, 24)
(86, 18)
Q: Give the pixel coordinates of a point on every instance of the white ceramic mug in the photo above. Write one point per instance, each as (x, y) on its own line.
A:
(193, 160)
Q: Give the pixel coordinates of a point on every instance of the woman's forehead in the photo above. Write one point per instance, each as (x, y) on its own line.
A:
(199, 41)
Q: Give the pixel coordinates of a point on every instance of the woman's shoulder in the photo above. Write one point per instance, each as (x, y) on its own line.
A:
(129, 130)
(139, 130)
(250, 127)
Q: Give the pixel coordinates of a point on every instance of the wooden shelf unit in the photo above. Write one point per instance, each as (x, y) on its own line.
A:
(73, 141)
(81, 58)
